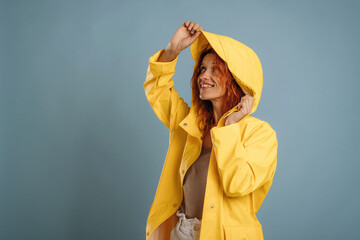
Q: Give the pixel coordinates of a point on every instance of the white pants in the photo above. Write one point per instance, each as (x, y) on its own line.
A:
(186, 229)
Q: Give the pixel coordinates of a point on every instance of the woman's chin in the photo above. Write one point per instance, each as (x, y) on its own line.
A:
(202, 97)
(205, 97)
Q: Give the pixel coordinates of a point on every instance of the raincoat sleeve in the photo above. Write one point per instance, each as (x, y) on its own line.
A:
(246, 162)
(160, 92)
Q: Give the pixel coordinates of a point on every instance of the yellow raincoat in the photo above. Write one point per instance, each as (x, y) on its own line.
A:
(243, 157)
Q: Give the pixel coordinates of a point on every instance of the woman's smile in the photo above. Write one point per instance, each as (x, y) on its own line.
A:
(205, 86)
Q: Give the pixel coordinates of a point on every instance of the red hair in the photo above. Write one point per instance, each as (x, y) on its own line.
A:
(204, 108)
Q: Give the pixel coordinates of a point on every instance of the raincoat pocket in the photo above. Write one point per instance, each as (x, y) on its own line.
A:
(244, 232)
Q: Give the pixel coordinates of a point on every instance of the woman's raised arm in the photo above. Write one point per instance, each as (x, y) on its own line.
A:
(159, 85)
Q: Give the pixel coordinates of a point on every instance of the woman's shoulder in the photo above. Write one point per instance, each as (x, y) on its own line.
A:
(251, 124)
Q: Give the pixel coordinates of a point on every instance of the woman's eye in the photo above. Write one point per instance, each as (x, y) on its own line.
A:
(202, 68)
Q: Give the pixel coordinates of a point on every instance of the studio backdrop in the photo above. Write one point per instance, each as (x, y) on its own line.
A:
(81, 150)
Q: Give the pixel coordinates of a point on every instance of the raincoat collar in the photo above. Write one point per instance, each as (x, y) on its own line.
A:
(190, 126)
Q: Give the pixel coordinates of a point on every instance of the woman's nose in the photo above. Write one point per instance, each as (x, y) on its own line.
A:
(205, 75)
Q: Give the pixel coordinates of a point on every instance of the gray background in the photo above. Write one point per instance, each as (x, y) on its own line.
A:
(81, 150)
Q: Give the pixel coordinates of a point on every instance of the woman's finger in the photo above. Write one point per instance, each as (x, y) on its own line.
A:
(186, 23)
(195, 35)
(191, 25)
(241, 106)
(196, 26)
(246, 93)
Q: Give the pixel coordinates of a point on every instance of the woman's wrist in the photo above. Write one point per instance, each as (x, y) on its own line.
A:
(168, 55)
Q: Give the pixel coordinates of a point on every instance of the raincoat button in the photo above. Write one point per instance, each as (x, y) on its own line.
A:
(175, 205)
(201, 138)
(212, 206)
(185, 124)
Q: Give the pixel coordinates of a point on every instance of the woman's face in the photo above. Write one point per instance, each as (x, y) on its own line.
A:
(209, 81)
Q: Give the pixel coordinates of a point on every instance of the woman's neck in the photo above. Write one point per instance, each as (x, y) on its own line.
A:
(217, 110)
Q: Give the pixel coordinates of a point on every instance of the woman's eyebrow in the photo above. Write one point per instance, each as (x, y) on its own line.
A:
(212, 63)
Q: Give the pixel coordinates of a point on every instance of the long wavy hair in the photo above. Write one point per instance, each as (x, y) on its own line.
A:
(204, 108)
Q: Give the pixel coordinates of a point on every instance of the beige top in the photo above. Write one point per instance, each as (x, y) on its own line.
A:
(194, 185)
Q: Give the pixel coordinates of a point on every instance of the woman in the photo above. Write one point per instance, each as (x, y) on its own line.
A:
(221, 161)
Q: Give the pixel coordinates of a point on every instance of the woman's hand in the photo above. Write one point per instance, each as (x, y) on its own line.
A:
(184, 36)
(244, 108)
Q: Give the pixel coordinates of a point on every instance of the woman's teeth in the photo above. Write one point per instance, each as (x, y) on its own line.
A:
(206, 85)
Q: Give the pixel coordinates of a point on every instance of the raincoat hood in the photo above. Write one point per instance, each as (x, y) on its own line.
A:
(242, 62)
